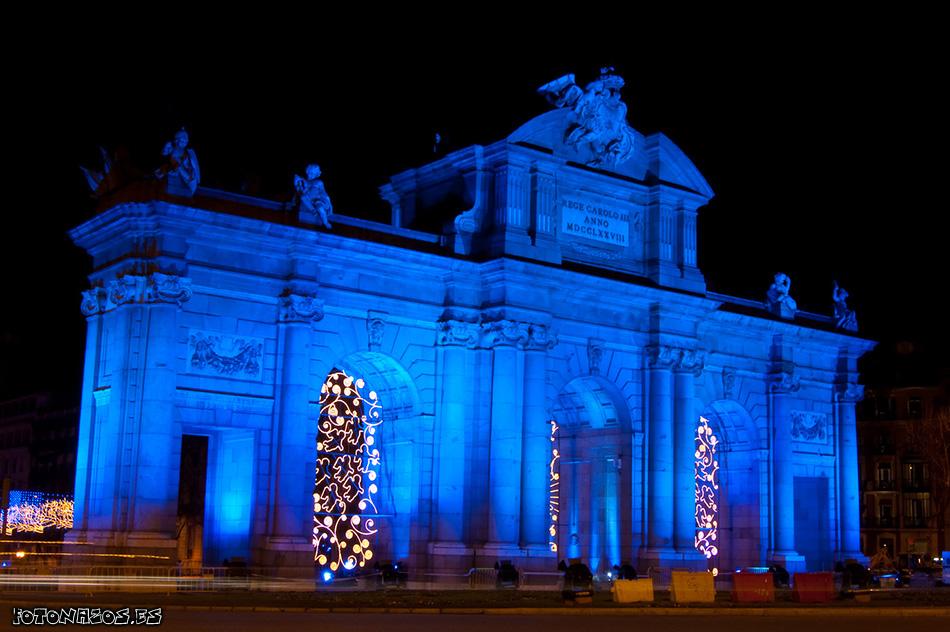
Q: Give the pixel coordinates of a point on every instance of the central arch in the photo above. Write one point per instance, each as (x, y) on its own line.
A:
(596, 472)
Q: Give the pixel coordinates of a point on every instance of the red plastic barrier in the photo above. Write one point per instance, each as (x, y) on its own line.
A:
(813, 587)
(753, 588)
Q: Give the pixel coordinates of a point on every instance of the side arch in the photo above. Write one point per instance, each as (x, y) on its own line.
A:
(388, 378)
(591, 401)
(398, 441)
(743, 525)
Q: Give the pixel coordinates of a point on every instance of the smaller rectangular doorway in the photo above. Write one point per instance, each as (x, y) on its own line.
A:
(192, 481)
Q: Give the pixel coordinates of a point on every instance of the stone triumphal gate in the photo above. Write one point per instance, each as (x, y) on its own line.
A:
(560, 285)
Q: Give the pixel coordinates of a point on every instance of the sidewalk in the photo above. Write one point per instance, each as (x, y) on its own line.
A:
(488, 602)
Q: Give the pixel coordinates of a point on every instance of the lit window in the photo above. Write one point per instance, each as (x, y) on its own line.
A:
(884, 472)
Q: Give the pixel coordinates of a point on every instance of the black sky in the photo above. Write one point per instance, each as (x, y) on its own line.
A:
(824, 144)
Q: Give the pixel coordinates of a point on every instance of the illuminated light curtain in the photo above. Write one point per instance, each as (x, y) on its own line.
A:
(707, 493)
(35, 512)
(554, 486)
(348, 465)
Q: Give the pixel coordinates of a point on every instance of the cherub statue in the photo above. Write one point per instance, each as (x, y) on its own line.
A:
(845, 318)
(180, 171)
(778, 300)
(313, 203)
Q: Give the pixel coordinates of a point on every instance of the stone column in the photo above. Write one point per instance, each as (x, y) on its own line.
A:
(452, 493)
(849, 492)
(661, 462)
(688, 367)
(293, 499)
(660, 239)
(155, 495)
(106, 489)
(544, 219)
(127, 473)
(92, 304)
(536, 449)
(155, 492)
(511, 197)
(612, 519)
(687, 237)
(782, 384)
(545, 192)
(504, 469)
(512, 204)
(596, 482)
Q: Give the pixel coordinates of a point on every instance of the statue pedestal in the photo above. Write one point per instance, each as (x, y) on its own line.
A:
(175, 186)
(782, 311)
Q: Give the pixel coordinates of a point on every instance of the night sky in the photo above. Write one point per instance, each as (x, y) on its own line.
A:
(824, 148)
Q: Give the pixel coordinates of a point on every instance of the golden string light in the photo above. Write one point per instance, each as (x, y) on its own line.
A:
(707, 488)
(554, 487)
(344, 508)
(32, 517)
(131, 556)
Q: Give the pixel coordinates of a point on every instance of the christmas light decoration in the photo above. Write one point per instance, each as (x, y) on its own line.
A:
(554, 486)
(707, 493)
(35, 512)
(347, 476)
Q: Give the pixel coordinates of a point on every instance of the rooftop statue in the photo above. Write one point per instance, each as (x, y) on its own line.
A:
(180, 170)
(313, 203)
(598, 119)
(845, 318)
(116, 173)
(778, 300)
(97, 180)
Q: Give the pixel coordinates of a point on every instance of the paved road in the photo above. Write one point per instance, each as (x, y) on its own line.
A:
(262, 621)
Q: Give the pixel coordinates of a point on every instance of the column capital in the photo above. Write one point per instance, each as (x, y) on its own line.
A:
(676, 358)
(457, 333)
(93, 301)
(299, 308)
(849, 393)
(540, 338)
(661, 356)
(156, 288)
(125, 289)
(784, 381)
(690, 361)
(167, 288)
(504, 333)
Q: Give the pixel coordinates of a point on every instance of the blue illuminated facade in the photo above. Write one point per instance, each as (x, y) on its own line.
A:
(560, 287)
